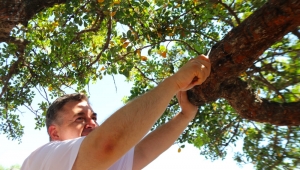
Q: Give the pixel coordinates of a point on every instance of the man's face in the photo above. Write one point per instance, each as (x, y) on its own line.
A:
(76, 119)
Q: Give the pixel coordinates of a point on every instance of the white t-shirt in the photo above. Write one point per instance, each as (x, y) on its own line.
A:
(61, 155)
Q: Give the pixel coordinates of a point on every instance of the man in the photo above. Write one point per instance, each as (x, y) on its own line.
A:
(120, 142)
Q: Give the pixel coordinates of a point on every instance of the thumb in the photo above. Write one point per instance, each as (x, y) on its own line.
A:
(178, 96)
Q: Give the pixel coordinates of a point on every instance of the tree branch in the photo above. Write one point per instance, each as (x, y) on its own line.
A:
(105, 46)
(243, 45)
(14, 68)
(268, 84)
(13, 12)
(142, 73)
(250, 106)
(230, 11)
(94, 28)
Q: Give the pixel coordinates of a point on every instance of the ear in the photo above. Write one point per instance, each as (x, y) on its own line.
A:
(53, 132)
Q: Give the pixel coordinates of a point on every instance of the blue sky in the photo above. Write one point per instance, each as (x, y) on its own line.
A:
(105, 100)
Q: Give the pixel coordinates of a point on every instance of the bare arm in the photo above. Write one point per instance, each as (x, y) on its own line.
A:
(163, 137)
(125, 128)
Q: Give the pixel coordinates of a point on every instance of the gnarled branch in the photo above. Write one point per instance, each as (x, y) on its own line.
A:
(250, 106)
(245, 43)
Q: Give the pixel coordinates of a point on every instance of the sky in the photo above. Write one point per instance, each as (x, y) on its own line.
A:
(105, 100)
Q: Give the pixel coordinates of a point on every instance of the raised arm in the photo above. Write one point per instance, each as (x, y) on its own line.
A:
(126, 127)
(163, 137)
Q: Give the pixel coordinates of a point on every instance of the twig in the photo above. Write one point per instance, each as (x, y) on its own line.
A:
(95, 27)
(145, 75)
(188, 45)
(231, 12)
(114, 83)
(266, 82)
(105, 46)
(233, 135)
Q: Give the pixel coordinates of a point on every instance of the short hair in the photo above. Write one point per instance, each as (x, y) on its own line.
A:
(58, 104)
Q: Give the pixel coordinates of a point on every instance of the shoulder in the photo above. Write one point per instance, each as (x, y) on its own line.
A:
(55, 147)
(56, 152)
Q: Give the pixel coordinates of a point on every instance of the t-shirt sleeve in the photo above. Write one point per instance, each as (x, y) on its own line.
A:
(125, 162)
(61, 155)
(54, 155)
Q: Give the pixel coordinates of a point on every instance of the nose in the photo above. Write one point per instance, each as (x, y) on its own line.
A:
(91, 123)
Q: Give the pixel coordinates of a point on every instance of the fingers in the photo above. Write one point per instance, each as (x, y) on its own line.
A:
(204, 63)
(194, 72)
(204, 60)
(178, 96)
(181, 97)
(203, 57)
(187, 108)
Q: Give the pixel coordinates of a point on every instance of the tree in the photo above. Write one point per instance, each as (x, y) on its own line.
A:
(251, 95)
(13, 167)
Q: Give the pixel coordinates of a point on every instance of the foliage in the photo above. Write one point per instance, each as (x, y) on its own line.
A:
(13, 167)
(71, 45)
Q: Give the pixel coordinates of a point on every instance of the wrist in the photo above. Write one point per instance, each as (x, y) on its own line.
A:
(171, 85)
(188, 115)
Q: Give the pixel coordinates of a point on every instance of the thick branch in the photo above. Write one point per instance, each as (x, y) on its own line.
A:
(248, 105)
(14, 68)
(14, 12)
(245, 43)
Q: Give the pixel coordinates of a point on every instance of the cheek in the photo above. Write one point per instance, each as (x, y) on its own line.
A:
(77, 128)
(73, 131)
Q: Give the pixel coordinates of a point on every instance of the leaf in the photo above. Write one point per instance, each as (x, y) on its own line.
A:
(144, 58)
(164, 54)
(125, 44)
(179, 150)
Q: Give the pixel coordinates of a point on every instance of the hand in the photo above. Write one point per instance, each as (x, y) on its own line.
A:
(187, 108)
(193, 73)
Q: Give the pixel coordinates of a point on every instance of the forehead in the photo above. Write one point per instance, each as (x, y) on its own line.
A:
(75, 107)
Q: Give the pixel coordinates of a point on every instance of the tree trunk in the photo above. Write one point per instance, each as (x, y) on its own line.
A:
(236, 53)
(14, 12)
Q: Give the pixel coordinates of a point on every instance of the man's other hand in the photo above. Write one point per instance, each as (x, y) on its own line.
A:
(187, 109)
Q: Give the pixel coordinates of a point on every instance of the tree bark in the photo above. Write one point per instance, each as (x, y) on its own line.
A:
(249, 105)
(237, 52)
(14, 12)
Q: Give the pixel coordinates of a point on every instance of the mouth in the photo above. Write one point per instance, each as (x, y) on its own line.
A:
(86, 132)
